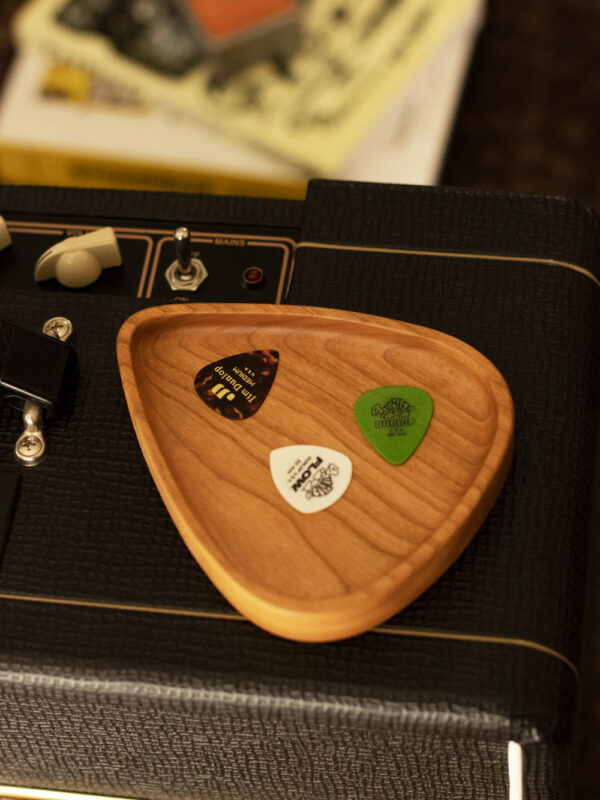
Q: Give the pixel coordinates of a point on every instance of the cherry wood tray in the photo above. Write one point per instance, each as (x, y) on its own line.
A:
(394, 530)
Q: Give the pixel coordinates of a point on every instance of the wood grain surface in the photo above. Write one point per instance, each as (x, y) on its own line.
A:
(336, 573)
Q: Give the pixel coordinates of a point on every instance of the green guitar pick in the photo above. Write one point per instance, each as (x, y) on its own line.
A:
(394, 419)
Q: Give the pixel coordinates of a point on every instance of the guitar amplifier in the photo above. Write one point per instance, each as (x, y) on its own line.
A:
(125, 673)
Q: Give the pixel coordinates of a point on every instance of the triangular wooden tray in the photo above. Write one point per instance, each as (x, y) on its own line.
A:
(332, 574)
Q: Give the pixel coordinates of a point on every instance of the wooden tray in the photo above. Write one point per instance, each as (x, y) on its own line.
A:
(337, 571)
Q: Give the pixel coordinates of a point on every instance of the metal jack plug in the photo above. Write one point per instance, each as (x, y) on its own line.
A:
(185, 272)
(30, 448)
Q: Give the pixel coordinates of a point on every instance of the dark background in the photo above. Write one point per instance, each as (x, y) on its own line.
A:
(529, 121)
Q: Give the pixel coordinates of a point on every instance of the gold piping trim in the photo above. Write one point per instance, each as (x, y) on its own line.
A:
(235, 617)
(477, 256)
(18, 792)
(178, 612)
(47, 231)
(466, 637)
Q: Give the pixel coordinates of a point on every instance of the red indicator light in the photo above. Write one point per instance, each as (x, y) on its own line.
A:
(253, 276)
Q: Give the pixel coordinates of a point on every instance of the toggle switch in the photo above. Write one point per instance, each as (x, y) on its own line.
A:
(79, 260)
(185, 272)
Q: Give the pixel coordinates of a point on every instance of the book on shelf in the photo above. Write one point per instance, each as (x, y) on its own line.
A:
(65, 122)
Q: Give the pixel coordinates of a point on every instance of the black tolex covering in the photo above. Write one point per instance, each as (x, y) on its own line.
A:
(124, 672)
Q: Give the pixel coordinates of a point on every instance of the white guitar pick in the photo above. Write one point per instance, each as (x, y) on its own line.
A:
(309, 477)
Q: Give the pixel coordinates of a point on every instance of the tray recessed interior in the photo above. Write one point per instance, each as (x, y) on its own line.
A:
(394, 530)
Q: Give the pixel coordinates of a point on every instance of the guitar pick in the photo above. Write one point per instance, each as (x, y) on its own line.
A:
(394, 420)
(310, 478)
(237, 386)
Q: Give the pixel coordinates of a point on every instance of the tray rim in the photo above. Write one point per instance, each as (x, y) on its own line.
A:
(318, 620)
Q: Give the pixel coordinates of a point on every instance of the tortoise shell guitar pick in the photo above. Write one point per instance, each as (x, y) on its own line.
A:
(236, 386)
(323, 467)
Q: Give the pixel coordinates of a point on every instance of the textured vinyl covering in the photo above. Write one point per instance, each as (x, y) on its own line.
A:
(130, 702)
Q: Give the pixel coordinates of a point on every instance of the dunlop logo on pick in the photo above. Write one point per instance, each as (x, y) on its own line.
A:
(237, 386)
(394, 420)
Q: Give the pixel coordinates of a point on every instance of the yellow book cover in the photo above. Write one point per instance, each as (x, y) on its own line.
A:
(352, 61)
(61, 125)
